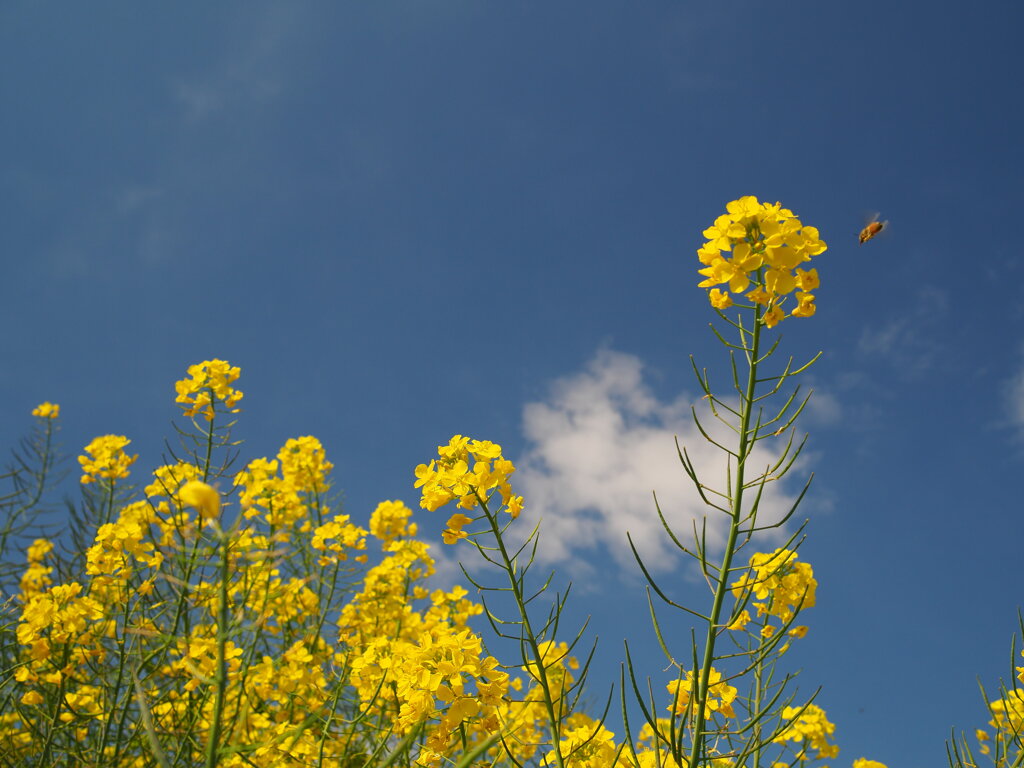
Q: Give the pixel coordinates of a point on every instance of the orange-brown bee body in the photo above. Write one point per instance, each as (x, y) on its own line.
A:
(873, 228)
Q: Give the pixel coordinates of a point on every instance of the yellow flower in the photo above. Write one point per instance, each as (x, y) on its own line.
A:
(719, 299)
(863, 762)
(454, 530)
(768, 244)
(805, 305)
(336, 536)
(210, 380)
(304, 463)
(106, 458)
(773, 316)
(810, 726)
(390, 520)
(46, 410)
(169, 478)
(467, 470)
(203, 497)
(720, 695)
(807, 281)
(740, 622)
(778, 586)
(1008, 712)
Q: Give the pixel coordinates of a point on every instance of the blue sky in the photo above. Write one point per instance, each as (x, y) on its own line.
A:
(410, 220)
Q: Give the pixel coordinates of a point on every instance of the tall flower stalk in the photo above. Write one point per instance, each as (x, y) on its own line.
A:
(760, 253)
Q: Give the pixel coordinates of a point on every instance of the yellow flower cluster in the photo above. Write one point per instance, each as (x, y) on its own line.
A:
(37, 576)
(433, 665)
(767, 243)
(106, 459)
(336, 537)
(450, 476)
(209, 381)
(779, 586)
(169, 479)
(157, 581)
(303, 461)
(390, 520)
(119, 546)
(652, 751)
(810, 726)
(46, 410)
(229, 627)
(590, 745)
(1008, 713)
(284, 489)
(60, 616)
(721, 695)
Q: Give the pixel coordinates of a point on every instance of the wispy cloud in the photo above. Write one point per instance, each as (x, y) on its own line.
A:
(250, 70)
(599, 447)
(1013, 394)
(908, 340)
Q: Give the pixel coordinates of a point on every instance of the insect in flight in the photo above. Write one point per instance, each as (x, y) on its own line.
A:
(872, 228)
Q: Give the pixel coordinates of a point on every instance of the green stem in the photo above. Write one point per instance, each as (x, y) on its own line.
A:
(212, 745)
(736, 512)
(531, 637)
(209, 439)
(756, 710)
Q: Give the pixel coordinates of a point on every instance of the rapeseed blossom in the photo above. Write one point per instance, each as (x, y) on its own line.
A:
(304, 464)
(46, 410)
(721, 695)
(36, 577)
(60, 615)
(169, 478)
(209, 380)
(768, 244)
(203, 497)
(106, 459)
(336, 537)
(228, 626)
(778, 585)
(390, 521)
(450, 477)
(810, 726)
(1008, 713)
(589, 743)
(120, 545)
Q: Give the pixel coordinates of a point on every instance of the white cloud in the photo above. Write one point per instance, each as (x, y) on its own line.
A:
(599, 447)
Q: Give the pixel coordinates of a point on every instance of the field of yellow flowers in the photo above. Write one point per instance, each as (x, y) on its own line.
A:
(215, 616)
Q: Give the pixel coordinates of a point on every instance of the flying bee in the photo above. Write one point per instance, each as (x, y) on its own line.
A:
(871, 229)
